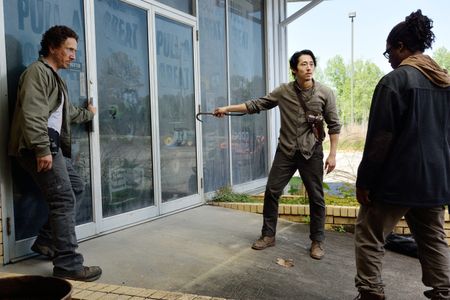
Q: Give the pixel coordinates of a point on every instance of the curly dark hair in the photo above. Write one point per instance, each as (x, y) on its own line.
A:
(55, 37)
(293, 61)
(415, 32)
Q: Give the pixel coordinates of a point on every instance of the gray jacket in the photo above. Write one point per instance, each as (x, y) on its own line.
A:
(295, 132)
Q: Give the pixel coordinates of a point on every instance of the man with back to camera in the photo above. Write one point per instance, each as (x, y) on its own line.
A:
(40, 141)
(303, 104)
(405, 169)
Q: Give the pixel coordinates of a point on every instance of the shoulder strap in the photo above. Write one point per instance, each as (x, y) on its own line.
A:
(299, 96)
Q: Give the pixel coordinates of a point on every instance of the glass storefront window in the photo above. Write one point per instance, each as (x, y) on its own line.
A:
(124, 107)
(247, 81)
(24, 26)
(213, 64)
(246, 69)
(176, 101)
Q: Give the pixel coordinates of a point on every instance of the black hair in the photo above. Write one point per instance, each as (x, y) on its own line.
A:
(415, 32)
(55, 37)
(293, 61)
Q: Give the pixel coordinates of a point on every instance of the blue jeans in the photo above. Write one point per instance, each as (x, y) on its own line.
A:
(311, 172)
(58, 186)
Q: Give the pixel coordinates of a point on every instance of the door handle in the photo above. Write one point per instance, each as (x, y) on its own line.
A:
(90, 124)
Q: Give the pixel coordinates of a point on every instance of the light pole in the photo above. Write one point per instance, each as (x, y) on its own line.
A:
(352, 15)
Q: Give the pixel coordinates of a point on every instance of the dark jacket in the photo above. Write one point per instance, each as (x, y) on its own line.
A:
(406, 159)
(39, 95)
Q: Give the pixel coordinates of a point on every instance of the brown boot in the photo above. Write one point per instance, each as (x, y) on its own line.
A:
(368, 295)
(85, 274)
(263, 242)
(316, 250)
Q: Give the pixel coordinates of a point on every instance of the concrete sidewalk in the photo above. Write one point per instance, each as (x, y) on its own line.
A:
(206, 251)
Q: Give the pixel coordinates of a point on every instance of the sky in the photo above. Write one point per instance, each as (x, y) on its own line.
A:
(326, 29)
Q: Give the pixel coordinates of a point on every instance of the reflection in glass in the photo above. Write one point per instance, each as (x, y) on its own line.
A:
(26, 22)
(183, 5)
(124, 107)
(175, 71)
(213, 59)
(248, 133)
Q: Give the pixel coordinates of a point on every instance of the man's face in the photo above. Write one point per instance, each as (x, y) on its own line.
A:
(64, 54)
(305, 68)
(396, 54)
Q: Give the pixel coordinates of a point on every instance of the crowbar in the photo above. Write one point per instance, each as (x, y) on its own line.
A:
(197, 116)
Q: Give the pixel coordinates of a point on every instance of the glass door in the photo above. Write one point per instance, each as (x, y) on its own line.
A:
(25, 23)
(123, 80)
(176, 105)
(141, 159)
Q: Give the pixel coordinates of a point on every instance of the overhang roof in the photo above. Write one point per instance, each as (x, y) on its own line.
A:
(301, 11)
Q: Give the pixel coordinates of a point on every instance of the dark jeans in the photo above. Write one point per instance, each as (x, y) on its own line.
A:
(45, 234)
(58, 186)
(311, 172)
(377, 220)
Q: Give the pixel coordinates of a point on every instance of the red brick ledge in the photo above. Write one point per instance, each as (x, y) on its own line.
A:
(337, 217)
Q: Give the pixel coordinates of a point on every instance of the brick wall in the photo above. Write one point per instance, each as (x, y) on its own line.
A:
(337, 217)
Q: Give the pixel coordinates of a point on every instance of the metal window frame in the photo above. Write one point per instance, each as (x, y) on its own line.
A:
(5, 167)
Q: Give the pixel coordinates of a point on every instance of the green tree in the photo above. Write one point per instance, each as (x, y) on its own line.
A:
(442, 57)
(319, 75)
(336, 73)
(366, 76)
(339, 80)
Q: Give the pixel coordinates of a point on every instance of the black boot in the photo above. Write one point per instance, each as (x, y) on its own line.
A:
(368, 295)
